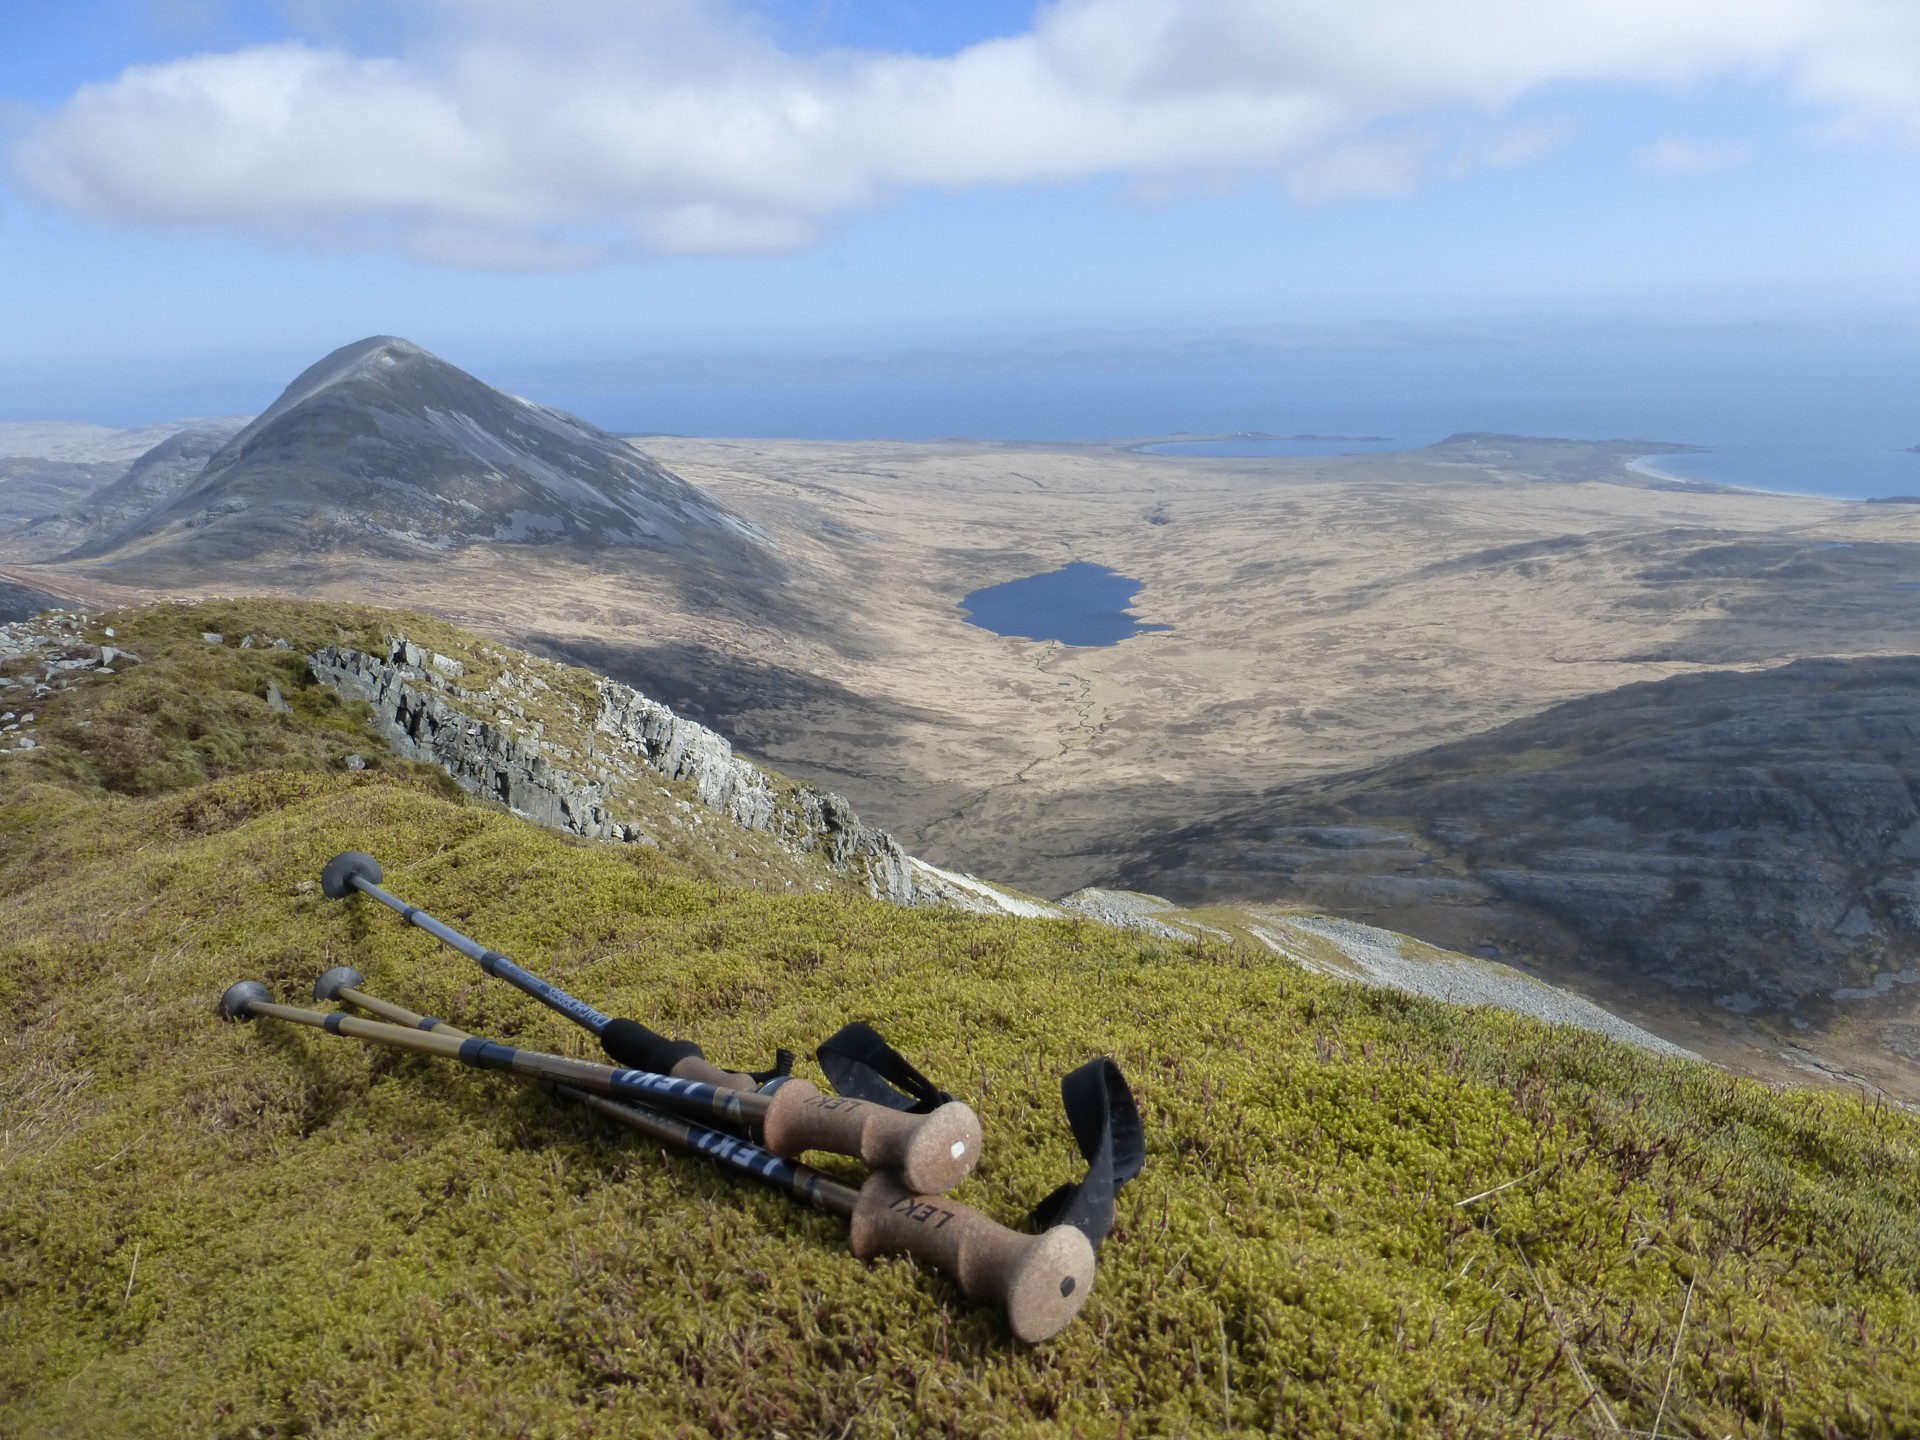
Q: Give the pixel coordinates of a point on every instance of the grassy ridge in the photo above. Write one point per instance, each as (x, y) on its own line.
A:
(256, 1231)
(193, 711)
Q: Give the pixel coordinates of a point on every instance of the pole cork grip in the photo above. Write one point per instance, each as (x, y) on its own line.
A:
(932, 1152)
(696, 1067)
(1041, 1281)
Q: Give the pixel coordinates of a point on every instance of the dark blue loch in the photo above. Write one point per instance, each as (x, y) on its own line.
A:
(1078, 604)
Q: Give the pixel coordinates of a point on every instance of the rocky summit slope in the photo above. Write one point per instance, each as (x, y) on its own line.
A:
(384, 448)
(1361, 1213)
(560, 746)
(1752, 836)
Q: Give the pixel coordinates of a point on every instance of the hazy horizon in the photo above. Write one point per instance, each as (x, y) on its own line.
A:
(895, 218)
(1814, 409)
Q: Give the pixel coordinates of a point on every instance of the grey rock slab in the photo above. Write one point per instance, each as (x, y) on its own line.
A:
(413, 709)
(1380, 957)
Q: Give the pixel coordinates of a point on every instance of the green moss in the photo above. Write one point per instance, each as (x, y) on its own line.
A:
(191, 710)
(263, 1231)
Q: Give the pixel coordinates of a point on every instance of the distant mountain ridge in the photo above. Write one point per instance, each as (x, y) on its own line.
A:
(1752, 835)
(383, 447)
(154, 479)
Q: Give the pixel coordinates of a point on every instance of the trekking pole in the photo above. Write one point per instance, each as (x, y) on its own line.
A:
(1040, 1281)
(342, 982)
(627, 1041)
(933, 1152)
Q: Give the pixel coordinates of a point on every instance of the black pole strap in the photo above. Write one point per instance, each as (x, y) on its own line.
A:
(781, 1069)
(862, 1065)
(1100, 1110)
(1106, 1125)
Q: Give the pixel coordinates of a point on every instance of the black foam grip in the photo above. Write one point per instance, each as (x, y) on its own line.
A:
(633, 1045)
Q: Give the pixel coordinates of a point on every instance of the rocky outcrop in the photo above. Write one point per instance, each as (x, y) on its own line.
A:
(1750, 835)
(41, 656)
(425, 713)
(682, 750)
(421, 722)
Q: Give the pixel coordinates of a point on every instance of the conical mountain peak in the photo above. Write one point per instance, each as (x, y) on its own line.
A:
(383, 446)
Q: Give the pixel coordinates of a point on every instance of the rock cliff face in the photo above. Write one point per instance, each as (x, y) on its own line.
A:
(20, 602)
(427, 714)
(1753, 835)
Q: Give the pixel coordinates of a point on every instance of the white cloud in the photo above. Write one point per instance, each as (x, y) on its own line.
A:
(568, 131)
(1675, 156)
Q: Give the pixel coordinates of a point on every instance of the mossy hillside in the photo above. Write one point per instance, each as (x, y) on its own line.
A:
(191, 711)
(195, 711)
(239, 1231)
(334, 1240)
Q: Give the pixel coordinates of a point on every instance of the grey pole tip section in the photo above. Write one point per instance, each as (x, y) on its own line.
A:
(336, 881)
(240, 997)
(341, 977)
(627, 1042)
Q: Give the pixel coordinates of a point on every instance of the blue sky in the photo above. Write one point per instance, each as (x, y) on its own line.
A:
(1690, 162)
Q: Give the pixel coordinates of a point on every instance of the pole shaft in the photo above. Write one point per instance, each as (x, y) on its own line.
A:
(732, 1107)
(396, 1014)
(421, 1042)
(932, 1152)
(802, 1182)
(491, 961)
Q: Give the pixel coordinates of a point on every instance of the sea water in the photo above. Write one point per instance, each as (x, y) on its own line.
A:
(1824, 409)
(1254, 446)
(1796, 467)
(1789, 408)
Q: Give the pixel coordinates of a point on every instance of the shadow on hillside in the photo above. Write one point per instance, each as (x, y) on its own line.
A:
(1750, 836)
(18, 602)
(756, 705)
